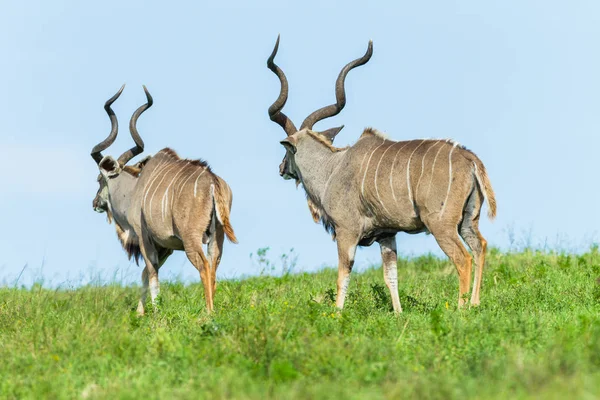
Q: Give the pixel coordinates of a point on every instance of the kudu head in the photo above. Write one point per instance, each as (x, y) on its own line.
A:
(287, 168)
(109, 167)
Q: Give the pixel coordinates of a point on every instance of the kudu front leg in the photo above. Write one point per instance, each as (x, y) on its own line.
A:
(142, 303)
(153, 283)
(389, 257)
(346, 252)
(150, 273)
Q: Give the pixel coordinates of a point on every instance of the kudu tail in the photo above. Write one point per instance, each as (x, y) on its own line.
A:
(486, 187)
(222, 199)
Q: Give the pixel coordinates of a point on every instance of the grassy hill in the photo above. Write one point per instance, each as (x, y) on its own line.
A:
(536, 334)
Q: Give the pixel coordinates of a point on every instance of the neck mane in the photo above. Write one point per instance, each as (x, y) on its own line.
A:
(119, 206)
(316, 171)
(130, 242)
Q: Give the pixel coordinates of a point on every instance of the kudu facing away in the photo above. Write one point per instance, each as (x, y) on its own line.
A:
(377, 187)
(161, 204)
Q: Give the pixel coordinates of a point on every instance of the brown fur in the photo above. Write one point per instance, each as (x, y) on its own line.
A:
(173, 154)
(486, 185)
(136, 168)
(489, 192)
(223, 200)
(130, 169)
(368, 193)
(130, 244)
(170, 203)
(314, 210)
(323, 140)
(184, 206)
(161, 204)
(373, 132)
(377, 187)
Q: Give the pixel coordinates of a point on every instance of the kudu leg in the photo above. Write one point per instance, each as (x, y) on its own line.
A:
(215, 249)
(154, 284)
(469, 231)
(346, 251)
(150, 256)
(478, 245)
(451, 244)
(195, 253)
(389, 257)
(162, 255)
(145, 283)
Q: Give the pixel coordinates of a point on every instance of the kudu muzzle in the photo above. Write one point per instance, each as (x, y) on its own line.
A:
(284, 170)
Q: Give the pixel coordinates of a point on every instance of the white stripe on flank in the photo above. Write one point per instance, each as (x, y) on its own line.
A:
(392, 170)
(432, 168)
(162, 208)
(376, 171)
(149, 184)
(196, 184)
(362, 188)
(449, 179)
(181, 179)
(162, 165)
(423, 166)
(164, 174)
(408, 174)
(362, 164)
(185, 181)
(165, 199)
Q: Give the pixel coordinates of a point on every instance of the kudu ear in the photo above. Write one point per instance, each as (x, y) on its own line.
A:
(330, 134)
(140, 164)
(109, 167)
(290, 144)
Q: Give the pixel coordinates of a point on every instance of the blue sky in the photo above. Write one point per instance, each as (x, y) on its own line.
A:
(517, 82)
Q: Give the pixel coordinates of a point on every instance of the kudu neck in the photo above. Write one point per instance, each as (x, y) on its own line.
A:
(120, 191)
(316, 163)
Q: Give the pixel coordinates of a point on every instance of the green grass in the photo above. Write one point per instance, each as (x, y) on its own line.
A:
(535, 335)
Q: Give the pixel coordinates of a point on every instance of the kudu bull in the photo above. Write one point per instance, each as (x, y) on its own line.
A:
(161, 204)
(377, 187)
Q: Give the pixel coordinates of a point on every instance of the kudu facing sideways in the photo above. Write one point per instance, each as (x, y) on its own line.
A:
(377, 187)
(161, 204)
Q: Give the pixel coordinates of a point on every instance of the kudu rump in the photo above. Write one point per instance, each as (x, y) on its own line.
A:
(377, 187)
(163, 203)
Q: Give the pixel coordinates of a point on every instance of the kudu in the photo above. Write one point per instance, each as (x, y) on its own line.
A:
(161, 204)
(377, 187)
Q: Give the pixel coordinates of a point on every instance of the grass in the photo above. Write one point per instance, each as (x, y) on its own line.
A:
(535, 335)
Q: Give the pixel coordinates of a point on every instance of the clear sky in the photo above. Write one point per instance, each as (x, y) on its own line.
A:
(518, 82)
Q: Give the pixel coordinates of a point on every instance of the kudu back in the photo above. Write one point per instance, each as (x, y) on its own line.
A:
(161, 204)
(377, 187)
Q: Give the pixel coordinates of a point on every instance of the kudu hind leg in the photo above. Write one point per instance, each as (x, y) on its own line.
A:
(346, 252)
(215, 250)
(451, 244)
(478, 245)
(469, 231)
(195, 253)
(389, 257)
